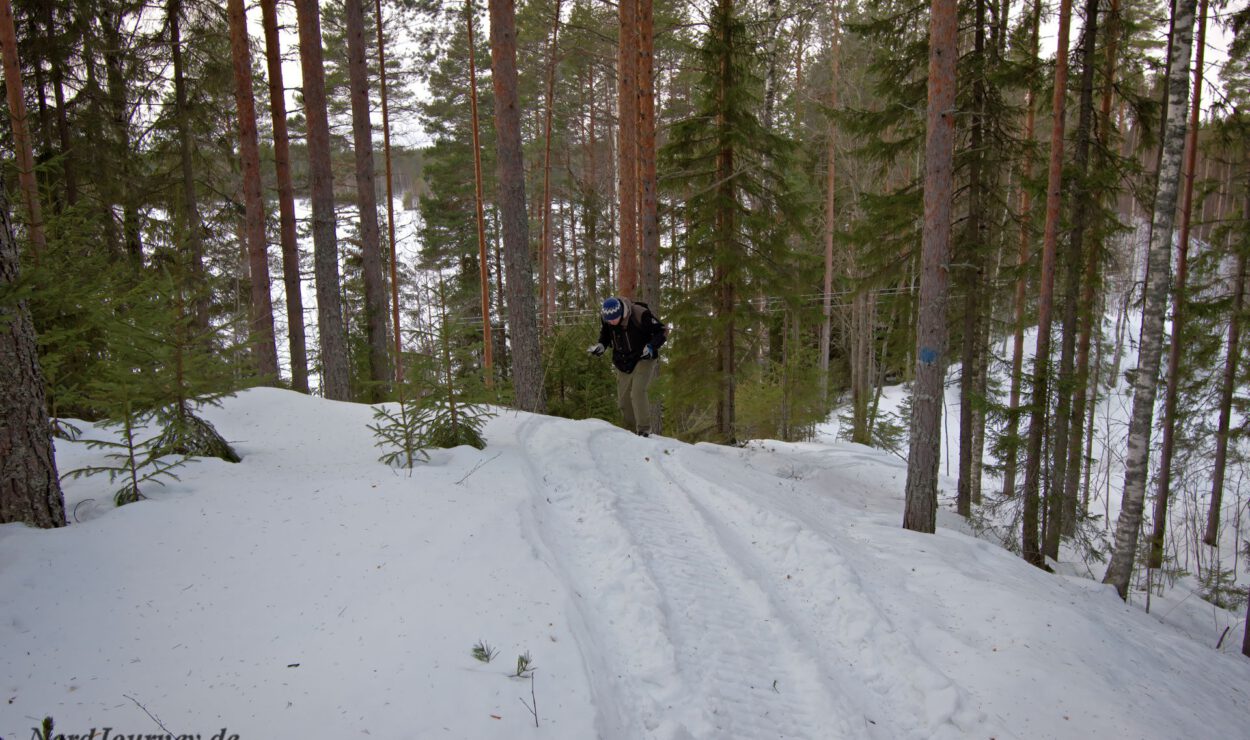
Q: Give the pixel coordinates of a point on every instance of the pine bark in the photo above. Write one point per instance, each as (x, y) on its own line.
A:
(527, 370)
(21, 130)
(648, 212)
(191, 225)
(488, 358)
(396, 334)
(922, 459)
(30, 489)
(975, 248)
(826, 302)
(57, 62)
(336, 382)
(1012, 454)
(546, 284)
(1150, 346)
(367, 204)
(260, 332)
(1068, 420)
(297, 342)
(1030, 545)
(627, 146)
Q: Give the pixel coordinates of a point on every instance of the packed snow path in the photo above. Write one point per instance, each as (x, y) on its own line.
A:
(733, 648)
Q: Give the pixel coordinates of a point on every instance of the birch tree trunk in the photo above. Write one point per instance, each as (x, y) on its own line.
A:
(1158, 275)
(260, 334)
(527, 369)
(926, 436)
(1226, 397)
(336, 382)
(1172, 389)
(30, 489)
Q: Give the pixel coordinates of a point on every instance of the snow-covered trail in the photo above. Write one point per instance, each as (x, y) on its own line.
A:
(741, 643)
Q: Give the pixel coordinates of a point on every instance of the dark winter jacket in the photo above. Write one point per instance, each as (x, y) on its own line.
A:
(627, 339)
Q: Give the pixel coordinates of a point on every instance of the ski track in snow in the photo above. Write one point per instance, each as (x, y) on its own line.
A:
(670, 556)
(835, 610)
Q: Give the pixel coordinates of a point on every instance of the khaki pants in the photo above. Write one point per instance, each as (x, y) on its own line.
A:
(631, 396)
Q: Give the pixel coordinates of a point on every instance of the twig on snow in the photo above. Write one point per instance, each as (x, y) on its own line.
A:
(145, 711)
(534, 698)
(475, 467)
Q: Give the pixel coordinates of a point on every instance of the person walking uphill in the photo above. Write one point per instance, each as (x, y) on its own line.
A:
(635, 336)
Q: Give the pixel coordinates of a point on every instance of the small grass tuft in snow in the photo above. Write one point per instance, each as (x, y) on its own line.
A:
(484, 652)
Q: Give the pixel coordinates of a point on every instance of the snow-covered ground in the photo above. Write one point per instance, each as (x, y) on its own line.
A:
(662, 590)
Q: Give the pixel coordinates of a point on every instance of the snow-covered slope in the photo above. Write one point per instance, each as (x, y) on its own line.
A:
(662, 590)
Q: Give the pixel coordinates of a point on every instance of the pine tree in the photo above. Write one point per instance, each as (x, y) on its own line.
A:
(522, 319)
(920, 514)
(333, 349)
(30, 489)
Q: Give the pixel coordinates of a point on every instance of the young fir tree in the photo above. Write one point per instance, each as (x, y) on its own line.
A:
(737, 204)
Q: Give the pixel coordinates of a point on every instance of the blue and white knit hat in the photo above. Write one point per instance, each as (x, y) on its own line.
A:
(613, 308)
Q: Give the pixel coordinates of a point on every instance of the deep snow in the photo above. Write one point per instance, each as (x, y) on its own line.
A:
(663, 590)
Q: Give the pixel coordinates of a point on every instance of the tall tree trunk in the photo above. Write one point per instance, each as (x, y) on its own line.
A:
(1012, 455)
(367, 204)
(30, 489)
(191, 225)
(648, 210)
(591, 199)
(286, 201)
(926, 434)
(390, 207)
(1179, 298)
(826, 302)
(1030, 546)
(723, 276)
(21, 131)
(488, 354)
(1077, 264)
(1082, 393)
(522, 321)
(975, 247)
(260, 334)
(123, 187)
(627, 146)
(546, 284)
(1158, 274)
(1210, 537)
(57, 61)
(336, 381)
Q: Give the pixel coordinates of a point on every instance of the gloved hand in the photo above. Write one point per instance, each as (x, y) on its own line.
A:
(647, 352)
(595, 349)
